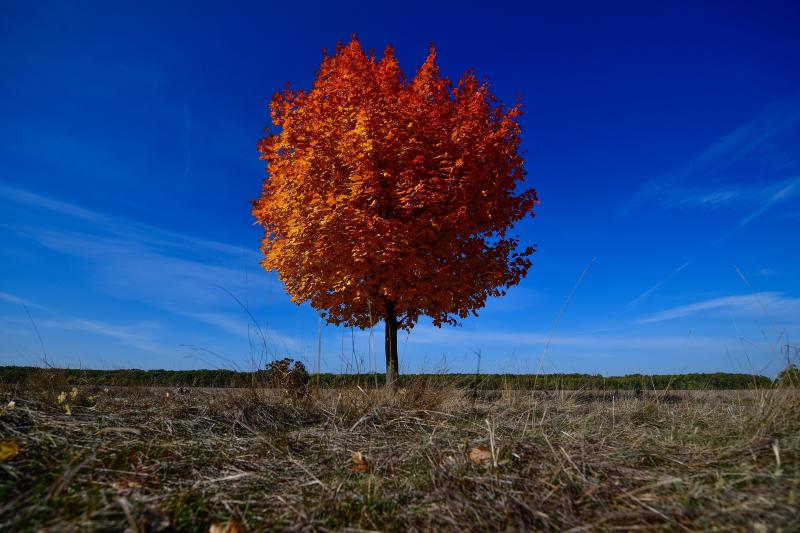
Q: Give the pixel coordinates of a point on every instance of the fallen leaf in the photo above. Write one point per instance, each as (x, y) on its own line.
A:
(359, 462)
(8, 449)
(225, 527)
(480, 454)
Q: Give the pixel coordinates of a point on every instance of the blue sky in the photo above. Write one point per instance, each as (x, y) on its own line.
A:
(664, 143)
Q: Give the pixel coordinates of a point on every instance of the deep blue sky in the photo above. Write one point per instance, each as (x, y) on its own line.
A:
(663, 141)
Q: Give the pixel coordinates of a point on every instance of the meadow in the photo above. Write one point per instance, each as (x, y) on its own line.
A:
(425, 457)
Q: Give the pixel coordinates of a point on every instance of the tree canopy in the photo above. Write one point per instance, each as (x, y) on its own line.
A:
(388, 198)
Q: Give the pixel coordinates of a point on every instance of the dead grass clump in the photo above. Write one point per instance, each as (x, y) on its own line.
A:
(46, 383)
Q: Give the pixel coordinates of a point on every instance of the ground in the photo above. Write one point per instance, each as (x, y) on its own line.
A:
(422, 458)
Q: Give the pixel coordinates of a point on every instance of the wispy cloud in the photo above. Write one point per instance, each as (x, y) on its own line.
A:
(713, 199)
(241, 326)
(772, 196)
(165, 269)
(10, 298)
(139, 336)
(746, 140)
(760, 201)
(536, 340)
(774, 303)
(134, 270)
(122, 227)
(658, 285)
(22, 197)
(756, 199)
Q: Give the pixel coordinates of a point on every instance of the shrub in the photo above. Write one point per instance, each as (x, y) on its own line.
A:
(287, 374)
(788, 377)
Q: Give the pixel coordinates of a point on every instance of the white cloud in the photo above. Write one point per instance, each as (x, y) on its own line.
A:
(122, 227)
(536, 340)
(138, 336)
(242, 326)
(746, 140)
(10, 298)
(771, 303)
(772, 196)
(754, 200)
(184, 275)
(712, 199)
(19, 196)
(145, 263)
(135, 270)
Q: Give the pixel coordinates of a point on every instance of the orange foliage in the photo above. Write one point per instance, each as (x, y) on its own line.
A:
(387, 191)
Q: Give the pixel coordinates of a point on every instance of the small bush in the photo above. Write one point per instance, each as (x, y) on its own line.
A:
(287, 374)
(788, 377)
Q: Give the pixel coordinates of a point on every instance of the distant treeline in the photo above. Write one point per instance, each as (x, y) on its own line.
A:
(229, 378)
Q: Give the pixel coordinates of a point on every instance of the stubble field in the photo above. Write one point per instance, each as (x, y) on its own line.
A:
(422, 458)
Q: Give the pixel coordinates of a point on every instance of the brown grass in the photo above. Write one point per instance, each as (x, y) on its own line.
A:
(137, 459)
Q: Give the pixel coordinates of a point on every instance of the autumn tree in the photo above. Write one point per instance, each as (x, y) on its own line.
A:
(388, 198)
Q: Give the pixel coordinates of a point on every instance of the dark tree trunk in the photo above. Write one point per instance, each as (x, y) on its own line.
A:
(391, 344)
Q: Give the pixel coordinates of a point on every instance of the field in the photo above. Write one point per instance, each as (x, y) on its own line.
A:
(422, 458)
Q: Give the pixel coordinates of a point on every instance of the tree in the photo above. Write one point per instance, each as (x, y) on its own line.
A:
(388, 198)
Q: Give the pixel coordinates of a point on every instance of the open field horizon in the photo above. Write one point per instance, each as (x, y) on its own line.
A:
(260, 378)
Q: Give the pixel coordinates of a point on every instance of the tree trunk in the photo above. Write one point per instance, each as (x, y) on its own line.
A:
(391, 344)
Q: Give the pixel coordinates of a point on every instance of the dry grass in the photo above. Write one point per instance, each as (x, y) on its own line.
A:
(137, 459)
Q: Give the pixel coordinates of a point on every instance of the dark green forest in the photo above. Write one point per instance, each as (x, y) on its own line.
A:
(228, 378)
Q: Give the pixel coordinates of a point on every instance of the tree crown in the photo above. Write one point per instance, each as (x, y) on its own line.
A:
(384, 190)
